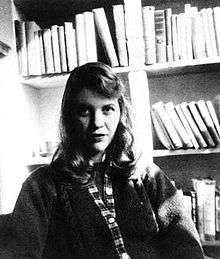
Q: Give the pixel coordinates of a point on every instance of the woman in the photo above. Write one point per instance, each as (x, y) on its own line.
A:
(96, 200)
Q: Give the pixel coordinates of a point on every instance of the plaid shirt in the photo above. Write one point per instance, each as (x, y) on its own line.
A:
(107, 209)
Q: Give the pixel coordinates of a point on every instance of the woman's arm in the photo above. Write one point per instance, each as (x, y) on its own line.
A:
(178, 237)
(31, 215)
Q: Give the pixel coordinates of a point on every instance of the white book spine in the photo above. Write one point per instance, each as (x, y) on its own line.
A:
(62, 48)
(55, 47)
(91, 48)
(216, 16)
(80, 39)
(70, 40)
(49, 64)
(119, 21)
(149, 34)
(105, 35)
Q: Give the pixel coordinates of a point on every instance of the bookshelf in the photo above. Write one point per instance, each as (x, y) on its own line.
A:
(179, 81)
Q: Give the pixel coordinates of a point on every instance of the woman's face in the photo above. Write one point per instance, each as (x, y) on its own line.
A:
(97, 118)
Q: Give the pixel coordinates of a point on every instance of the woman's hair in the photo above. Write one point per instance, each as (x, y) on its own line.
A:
(99, 78)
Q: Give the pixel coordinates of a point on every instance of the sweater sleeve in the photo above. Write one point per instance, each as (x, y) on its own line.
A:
(178, 235)
(31, 215)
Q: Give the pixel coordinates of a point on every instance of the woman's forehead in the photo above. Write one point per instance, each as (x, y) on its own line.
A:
(88, 96)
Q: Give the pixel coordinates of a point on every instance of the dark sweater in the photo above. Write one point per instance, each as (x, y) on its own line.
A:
(56, 218)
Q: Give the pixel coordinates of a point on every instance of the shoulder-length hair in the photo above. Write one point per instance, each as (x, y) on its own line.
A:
(100, 78)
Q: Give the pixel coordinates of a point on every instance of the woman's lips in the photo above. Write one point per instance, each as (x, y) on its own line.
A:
(97, 137)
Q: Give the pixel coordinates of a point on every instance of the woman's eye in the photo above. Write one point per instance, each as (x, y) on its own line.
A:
(82, 111)
(108, 109)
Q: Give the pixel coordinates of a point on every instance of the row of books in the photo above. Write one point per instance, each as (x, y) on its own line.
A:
(186, 125)
(202, 203)
(139, 35)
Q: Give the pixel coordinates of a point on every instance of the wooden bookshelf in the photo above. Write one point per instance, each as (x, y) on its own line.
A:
(182, 152)
(156, 70)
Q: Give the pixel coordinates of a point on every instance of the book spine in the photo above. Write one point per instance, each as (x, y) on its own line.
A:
(21, 47)
(160, 35)
(62, 47)
(30, 28)
(214, 117)
(161, 131)
(216, 17)
(48, 54)
(188, 16)
(55, 48)
(91, 46)
(80, 39)
(105, 35)
(70, 40)
(181, 33)
(212, 31)
(42, 57)
(209, 210)
(149, 34)
(198, 36)
(134, 32)
(37, 53)
(119, 22)
(174, 37)
(217, 215)
(168, 31)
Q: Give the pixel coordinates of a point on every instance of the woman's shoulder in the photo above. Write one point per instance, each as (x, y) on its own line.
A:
(41, 178)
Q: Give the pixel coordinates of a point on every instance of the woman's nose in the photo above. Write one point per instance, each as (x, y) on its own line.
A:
(98, 119)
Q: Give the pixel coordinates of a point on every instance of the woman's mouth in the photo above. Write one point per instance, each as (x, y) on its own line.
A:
(97, 137)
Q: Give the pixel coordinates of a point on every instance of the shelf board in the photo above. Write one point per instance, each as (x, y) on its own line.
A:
(156, 70)
(182, 152)
(211, 243)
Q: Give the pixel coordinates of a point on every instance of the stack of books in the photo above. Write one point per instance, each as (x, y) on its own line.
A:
(185, 125)
(202, 203)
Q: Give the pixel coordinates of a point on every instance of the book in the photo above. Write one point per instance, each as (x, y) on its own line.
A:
(160, 36)
(193, 125)
(181, 35)
(105, 35)
(209, 209)
(213, 116)
(198, 35)
(32, 55)
(203, 109)
(188, 16)
(160, 110)
(175, 44)
(170, 108)
(80, 39)
(168, 31)
(55, 48)
(134, 32)
(192, 203)
(216, 15)
(216, 104)
(186, 126)
(161, 132)
(37, 48)
(200, 123)
(119, 23)
(211, 28)
(90, 36)
(149, 34)
(21, 47)
(62, 48)
(199, 188)
(70, 41)
(42, 58)
(48, 54)
(217, 213)
(205, 23)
